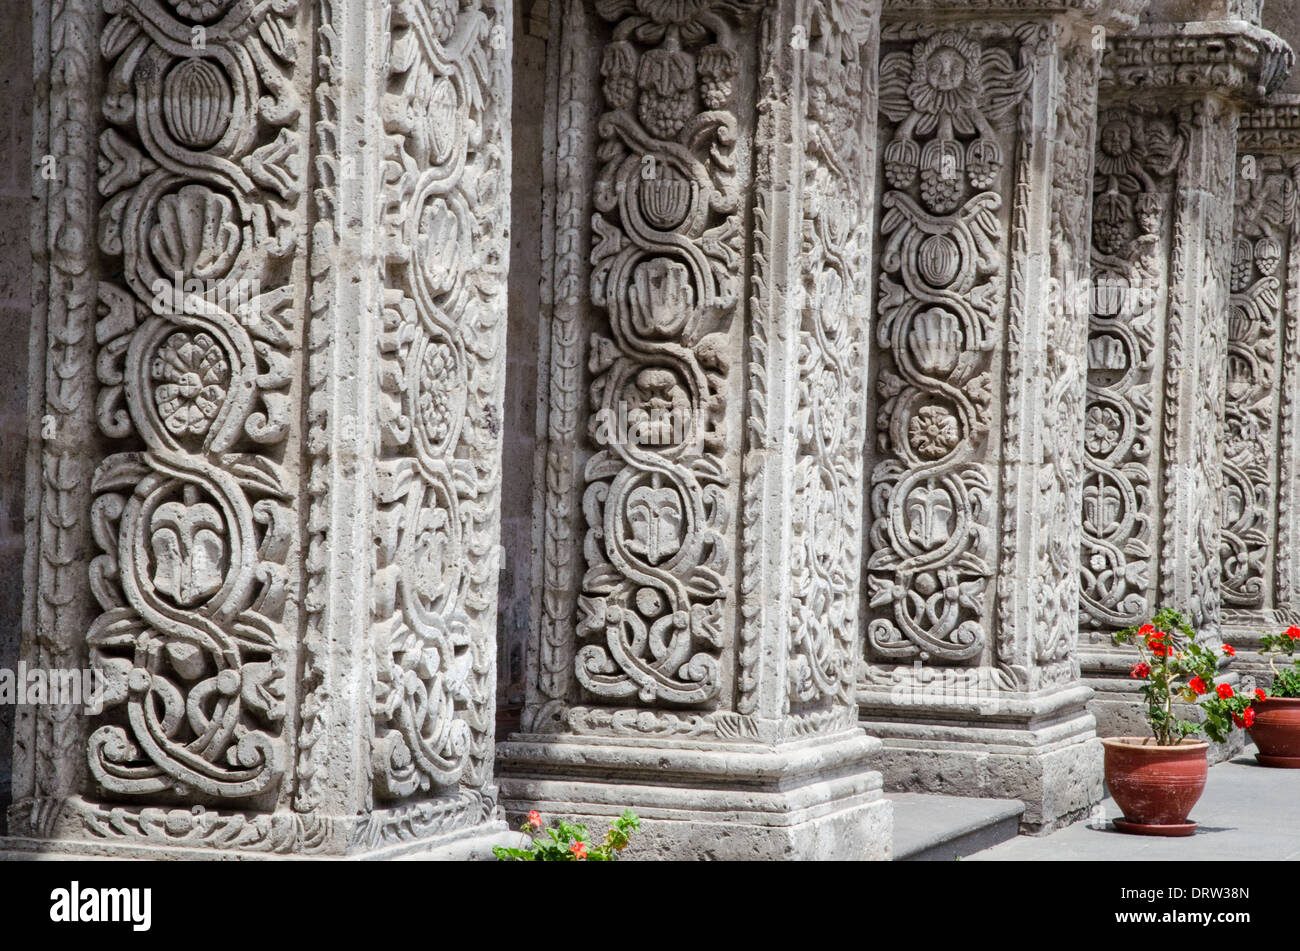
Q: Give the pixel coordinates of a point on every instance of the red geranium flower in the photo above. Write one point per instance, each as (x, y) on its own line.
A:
(1146, 630)
(1140, 671)
(1293, 632)
(1260, 694)
(1197, 685)
(1224, 691)
(1245, 719)
(1230, 650)
(535, 819)
(579, 851)
(1160, 648)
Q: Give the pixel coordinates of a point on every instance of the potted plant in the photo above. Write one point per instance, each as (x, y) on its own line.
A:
(1157, 780)
(1276, 726)
(567, 842)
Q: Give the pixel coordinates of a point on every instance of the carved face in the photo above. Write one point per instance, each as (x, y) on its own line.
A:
(946, 75)
(189, 549)
(1116, 138)
(946, 69)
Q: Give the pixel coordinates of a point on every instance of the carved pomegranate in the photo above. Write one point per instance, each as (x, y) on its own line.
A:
(196, 103)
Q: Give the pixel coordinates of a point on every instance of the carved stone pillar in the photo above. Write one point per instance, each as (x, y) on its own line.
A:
(707, 330)
(970, 675)
(267, 355)
(1261, 465)
(1159, 339)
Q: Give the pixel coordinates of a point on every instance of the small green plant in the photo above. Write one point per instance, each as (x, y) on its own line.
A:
(567, 842)
(1286, 682)
(1174, 665)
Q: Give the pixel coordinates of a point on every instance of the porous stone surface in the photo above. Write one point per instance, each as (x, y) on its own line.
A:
(16, 98)
(437, 410)
(267, 393)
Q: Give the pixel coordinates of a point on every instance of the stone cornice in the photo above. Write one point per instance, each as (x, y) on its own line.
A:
(1116, 15)
(1271, 127)
(1228, 57)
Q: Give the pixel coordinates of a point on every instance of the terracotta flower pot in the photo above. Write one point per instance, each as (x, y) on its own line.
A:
(1155, 786)
(1277, 731)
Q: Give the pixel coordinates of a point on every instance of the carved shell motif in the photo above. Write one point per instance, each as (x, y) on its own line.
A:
(196, 103)
(195, 235)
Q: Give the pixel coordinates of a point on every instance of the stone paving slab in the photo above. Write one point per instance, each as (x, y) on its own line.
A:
(931, 826)
(1248, 811)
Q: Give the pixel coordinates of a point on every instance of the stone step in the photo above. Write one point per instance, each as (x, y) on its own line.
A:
(933, 828)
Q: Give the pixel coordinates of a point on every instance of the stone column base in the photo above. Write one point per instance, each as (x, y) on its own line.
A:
(432, 830)
(1042, 751)
(1121, 711)
(811, 799)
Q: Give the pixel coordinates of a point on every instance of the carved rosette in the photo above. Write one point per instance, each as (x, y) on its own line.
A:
(201, 172)
(826, 515)
(950, 97)
(440, 351)
(1137, 154)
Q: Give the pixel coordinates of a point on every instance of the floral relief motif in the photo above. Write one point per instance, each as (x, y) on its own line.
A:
(826, 518)
(1267, 221)
(1137, 152)
(194, 638)
(190, 375)
(947, 97)
(438, 374)
(652, 607)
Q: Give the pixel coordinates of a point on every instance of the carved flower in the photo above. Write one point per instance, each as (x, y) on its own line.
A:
(1103, 428)
(438, 382)
(932, 432)
(191, 376)
(946, 81)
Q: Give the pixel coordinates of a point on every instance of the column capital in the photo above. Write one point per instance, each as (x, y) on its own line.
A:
(1271, 127)
(1229, 58)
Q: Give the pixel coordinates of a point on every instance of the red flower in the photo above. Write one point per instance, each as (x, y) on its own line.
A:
(1224, 690)
(1197, 685)
(1230, 650)
(1146, 630)
(535, 819)
(1293, 632)
(1260, 695)
(1158, 636)
(579, 851)
(1140, 671)
(1245, 719)
(1160, 648)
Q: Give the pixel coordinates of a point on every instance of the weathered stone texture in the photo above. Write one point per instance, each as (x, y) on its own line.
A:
(16, 97)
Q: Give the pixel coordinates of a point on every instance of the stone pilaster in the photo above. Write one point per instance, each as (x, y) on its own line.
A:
(1261, 466)
(970, 675)
(267, 358)
(700, 512)
(1159, 338)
